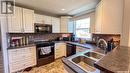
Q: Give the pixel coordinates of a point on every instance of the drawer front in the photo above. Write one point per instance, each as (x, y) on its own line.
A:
(58, 55)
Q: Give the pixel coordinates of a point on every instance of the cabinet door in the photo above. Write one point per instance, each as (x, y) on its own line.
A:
(28, 20)
(30, 56)
(98, 26)
(15, 21)
(16, 60)
(39, 19)
(112, 16)
(64, 24)
(71, 26)
(47, 19)
(60, 50)
(55, 25)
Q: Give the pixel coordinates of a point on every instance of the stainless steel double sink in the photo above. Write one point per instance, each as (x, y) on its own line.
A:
(86, 60)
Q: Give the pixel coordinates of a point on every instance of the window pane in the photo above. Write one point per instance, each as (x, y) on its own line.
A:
(83, 23)
(83, 28)
(84, 33)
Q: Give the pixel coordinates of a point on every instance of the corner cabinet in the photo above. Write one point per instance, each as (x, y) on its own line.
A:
(55, 25)
(109, 15)
(22, 21)
(21, 58)
(67, 26)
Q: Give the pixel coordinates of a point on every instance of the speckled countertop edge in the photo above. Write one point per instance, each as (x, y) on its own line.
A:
(115, 61)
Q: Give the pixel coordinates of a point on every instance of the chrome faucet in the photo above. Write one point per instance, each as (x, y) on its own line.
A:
(102, 44)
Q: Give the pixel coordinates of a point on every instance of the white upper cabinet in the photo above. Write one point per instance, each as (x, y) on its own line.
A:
(38, 18)
(55, 25)
(28, 20)
(47, 19)
(109, 15)
(15, 21)
(98, 22)
(43, 19)
(22, 21)
(66, 25)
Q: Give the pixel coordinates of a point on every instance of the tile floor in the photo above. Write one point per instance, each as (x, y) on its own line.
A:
(55, 67)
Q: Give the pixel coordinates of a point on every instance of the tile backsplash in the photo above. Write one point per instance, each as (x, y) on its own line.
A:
(37, 37)
(107, 37)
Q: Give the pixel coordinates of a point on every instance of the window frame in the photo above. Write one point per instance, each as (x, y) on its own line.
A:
(88, 38)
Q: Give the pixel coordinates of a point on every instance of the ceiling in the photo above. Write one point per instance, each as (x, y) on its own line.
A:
(72, 7)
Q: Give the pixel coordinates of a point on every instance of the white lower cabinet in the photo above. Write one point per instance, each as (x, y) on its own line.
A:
(21, 58)
(60, 50)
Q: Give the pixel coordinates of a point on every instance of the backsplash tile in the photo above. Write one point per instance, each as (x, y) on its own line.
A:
(107, 37)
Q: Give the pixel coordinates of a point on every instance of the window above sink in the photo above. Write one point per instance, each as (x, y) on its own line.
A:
(82, 28)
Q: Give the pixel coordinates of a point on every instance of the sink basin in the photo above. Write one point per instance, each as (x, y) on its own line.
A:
(94, 55)
(84, 63)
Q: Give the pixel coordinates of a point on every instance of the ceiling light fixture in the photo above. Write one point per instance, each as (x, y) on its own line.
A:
(63, 9)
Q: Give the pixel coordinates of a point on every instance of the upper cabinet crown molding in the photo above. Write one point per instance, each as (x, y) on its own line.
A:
(22, 21)
(109, 14)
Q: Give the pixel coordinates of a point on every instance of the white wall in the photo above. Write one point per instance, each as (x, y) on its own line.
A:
(3, 24)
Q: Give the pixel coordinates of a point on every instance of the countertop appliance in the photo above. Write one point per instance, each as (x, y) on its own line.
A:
(45, 58)
(43, 28)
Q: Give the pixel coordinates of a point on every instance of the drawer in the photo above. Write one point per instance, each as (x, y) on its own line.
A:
(59, 50)
(16, 66)
(15, 59)
(14, 52)
(58, 55)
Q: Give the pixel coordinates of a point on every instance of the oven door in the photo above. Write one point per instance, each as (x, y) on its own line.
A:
(43, 54)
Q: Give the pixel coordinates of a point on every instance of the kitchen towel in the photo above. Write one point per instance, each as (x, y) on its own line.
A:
(45, 50)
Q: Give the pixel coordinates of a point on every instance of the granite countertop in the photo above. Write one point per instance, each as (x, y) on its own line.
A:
(86, 45)
(17, 47)
(116, 61)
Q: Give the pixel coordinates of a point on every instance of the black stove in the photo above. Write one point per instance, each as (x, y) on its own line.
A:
(46, 58)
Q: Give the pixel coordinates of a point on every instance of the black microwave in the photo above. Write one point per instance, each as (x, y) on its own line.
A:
(43, 28)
